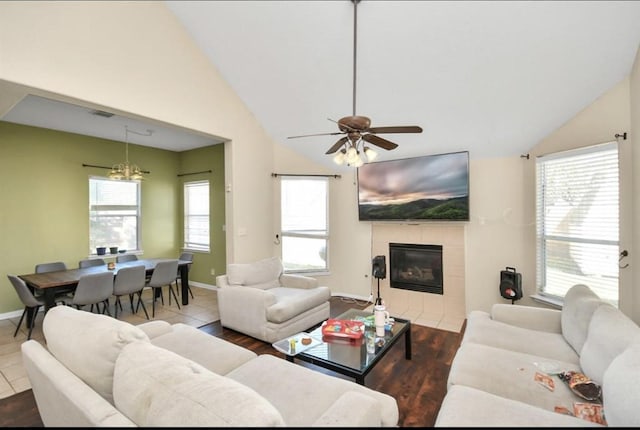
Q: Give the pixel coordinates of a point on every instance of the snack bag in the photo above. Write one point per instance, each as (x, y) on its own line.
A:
(581, 385)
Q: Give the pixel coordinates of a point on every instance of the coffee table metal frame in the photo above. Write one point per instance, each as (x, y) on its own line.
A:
(391, 338)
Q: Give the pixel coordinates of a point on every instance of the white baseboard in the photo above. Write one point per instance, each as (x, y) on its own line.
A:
(14, 314)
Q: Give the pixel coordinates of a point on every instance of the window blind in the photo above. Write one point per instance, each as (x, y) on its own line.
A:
(577, 213)
(196, 215)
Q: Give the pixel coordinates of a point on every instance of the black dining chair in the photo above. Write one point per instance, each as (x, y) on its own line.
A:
(28, 300)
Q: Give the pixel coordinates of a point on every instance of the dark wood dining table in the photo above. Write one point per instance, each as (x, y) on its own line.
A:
(51, 282)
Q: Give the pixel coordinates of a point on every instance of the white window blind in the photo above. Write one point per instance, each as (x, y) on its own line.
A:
(196, 215)
(304, 224)
(577, 221)
(114, 214)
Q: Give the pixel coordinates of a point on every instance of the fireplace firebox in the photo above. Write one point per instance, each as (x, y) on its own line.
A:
(416, 267)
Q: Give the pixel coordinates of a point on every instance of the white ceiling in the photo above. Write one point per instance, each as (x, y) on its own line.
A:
(56, 115)
(492, 78)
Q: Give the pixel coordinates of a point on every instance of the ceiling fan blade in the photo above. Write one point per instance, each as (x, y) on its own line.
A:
(317, 134)
(378, 141)
(396, 129)
(337, 145)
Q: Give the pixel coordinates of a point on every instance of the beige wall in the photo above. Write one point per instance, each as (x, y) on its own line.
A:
(598, 123)
(634, 137)
(133, 58)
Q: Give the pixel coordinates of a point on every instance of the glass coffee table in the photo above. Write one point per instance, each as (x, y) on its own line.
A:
(349, 357)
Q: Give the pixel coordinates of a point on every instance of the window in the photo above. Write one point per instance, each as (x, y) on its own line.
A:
(196, 215)
(114, 214)
(304, 225)
(577, 221)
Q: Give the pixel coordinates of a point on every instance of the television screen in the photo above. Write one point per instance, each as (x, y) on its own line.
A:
(428, 188)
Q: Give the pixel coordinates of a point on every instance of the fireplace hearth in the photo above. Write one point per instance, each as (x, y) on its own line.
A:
(416, 267)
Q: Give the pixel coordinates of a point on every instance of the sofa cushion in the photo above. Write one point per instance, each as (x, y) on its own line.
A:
(610, 333)
(303, 395)
(579, 305)
(511, 375)
(88, 344)
(262, 274)
(481, 328)
(216, 355)
(620, 393)
(158, 388)
(291, 302)
(467, 407)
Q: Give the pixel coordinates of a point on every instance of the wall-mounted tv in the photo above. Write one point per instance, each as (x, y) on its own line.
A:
(427, 188)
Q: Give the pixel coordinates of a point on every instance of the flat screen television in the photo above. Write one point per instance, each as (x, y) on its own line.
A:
(427, 188)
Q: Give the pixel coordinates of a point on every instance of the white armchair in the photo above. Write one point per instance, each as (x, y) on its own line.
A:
(259, 300)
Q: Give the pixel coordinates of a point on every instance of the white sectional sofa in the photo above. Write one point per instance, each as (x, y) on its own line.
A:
(491, 381)
(99, 371)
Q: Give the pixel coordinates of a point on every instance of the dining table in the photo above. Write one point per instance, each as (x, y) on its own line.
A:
(51, 282)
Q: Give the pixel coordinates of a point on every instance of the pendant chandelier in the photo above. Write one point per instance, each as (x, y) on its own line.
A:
(127, 171)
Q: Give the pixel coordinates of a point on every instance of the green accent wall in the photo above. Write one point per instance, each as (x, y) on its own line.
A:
(44, 207)
(202, 160)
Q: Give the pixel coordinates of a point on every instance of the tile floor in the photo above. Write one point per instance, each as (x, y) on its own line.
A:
(202, 309)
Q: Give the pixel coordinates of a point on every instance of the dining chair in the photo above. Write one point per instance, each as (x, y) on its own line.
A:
(126, 257)
(91, 262)
(163, 275)
(28, 300)
(130, 281)
(185, 256)
(62, 294)
(94, 289)
(50, 267)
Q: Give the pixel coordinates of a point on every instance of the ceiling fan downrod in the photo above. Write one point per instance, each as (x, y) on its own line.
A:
(355, 50)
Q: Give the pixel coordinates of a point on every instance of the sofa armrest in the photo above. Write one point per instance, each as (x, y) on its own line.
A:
(244, 309)
(351, 409)
(528, 317)
(298, 281)
(222, 281)
(63, 399)
(155, 328)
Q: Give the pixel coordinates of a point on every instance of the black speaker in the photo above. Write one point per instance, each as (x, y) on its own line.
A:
(510, 284)
(379, 267)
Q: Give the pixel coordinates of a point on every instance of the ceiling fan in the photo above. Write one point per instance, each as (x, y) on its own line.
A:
(357, 129)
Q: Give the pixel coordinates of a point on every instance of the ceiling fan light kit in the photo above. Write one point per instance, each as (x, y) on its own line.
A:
(357, 129)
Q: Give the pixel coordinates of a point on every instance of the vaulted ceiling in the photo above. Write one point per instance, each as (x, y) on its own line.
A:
(492, 78)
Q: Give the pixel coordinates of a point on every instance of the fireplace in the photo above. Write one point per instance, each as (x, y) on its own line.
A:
(416, 267)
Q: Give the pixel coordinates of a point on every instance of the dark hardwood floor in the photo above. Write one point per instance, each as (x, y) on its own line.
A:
(418, 385)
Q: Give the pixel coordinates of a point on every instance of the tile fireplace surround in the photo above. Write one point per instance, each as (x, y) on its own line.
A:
(446, 311)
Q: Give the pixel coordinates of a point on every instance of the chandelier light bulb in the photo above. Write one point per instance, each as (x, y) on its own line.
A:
(339, 157)
(352, 155)
(370, 153)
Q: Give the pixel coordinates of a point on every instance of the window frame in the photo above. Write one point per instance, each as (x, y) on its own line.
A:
(138, 212)
(311, 234)
(543, 292)
(187, 245)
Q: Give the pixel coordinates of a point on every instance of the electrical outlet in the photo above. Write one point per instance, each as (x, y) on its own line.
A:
(213, 272)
